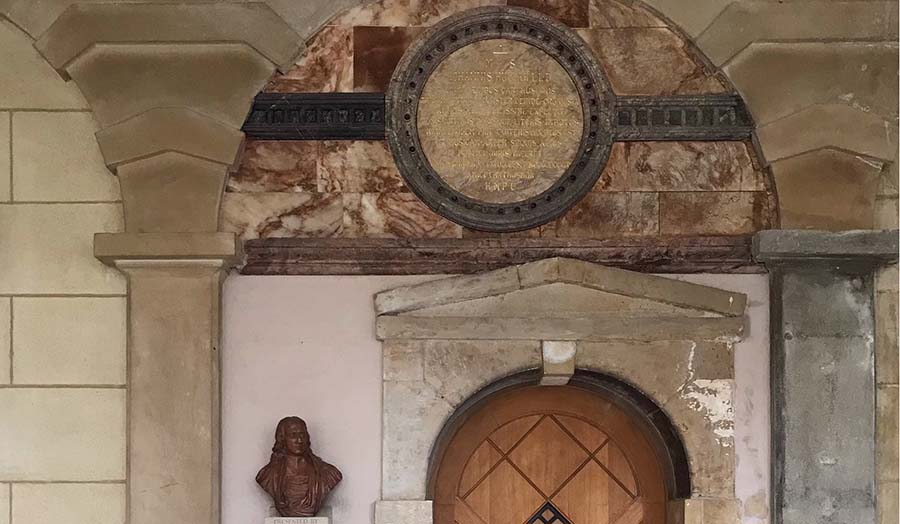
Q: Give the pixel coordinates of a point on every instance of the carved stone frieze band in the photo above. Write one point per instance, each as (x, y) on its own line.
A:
(360, 116)
(316, 116)
(686, 117)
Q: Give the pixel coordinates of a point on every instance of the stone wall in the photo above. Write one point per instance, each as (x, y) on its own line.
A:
(62, 440)
(887, 398)
(62, 312)
(353, 189)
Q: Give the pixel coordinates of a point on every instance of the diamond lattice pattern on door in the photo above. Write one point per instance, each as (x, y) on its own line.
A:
(550, 462)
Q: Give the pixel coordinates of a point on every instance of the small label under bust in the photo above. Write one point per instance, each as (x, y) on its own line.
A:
(298, 520)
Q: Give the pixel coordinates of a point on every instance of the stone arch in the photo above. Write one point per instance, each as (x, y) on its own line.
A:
(836, 136)
(847, 147)
(657, 425)
(820, 123)
(169, 86)
(721, 177)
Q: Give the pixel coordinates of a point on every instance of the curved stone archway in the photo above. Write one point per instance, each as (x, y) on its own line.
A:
(847, 150)
(818, 80)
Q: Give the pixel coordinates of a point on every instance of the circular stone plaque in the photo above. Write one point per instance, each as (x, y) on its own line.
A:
(499, 118)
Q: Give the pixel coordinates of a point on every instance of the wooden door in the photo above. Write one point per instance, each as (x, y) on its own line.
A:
(549, 455)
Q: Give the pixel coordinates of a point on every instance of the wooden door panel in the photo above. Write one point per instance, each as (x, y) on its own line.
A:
(480, 464)
(548, 456)
(585, 433)
(504, 497)
(633, 515)
(566, 452)
(512, 432)
(592, 496)
(463, 514)
(615, 463)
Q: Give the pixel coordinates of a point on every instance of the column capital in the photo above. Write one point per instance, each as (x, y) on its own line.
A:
(115, 249)
(861, 250)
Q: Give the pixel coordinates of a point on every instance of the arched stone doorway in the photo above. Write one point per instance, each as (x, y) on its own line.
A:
(551, 455)
(656, 352)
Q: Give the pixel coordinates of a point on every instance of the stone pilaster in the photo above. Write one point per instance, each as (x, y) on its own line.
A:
(170, 85)
(174, 282)
(823, 372)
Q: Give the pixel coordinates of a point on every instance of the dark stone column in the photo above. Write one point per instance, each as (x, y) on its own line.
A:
(823, 372)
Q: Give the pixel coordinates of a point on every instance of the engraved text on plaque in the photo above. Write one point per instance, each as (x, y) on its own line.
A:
(500, 120)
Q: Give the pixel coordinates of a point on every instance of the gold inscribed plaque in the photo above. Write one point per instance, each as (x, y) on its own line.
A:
(500, 121)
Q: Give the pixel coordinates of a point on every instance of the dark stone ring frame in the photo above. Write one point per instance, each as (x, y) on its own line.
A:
(542, 32)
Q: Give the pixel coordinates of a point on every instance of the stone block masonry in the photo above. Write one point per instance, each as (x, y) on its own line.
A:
(62, 312)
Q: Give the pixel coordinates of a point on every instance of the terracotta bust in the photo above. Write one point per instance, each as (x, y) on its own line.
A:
(296, 479)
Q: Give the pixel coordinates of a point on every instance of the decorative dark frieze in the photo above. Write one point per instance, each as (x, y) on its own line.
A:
(275, 116)
(310, 256)
(689, 117)
(316, 116)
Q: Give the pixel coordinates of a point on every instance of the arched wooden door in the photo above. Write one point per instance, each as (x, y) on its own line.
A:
(549, 455)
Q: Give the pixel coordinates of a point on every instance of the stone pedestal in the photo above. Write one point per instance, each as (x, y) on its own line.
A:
(823, 372)
(298, 520)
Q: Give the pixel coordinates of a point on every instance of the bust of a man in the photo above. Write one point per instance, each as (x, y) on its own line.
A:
(296, 479)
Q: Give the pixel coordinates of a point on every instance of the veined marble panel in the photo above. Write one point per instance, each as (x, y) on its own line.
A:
(272, 215)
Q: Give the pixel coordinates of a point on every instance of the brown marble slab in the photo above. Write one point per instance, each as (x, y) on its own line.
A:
(608, 215)
(276, 166)
(611, 14)
(573, 13)
(649, 61)
(376, 51)
(677, 166)
(393, 215)
(534, 232)
(406, 12)
(390, 256)
(358, 167)
(271, 215)
(736, 213)
(756, 180)
(325, 67)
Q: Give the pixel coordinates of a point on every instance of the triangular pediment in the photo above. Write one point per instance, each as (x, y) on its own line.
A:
(559, 287)
(567, 297)
(555, 300)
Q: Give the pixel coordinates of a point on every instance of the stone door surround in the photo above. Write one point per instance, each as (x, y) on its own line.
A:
(558, 318)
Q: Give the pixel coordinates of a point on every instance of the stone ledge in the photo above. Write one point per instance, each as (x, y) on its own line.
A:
(776, 21)
(827, 189)
(166, 129)
(416, 256)
(112, 248)
(561, 270)
(561, 329)
(82, 26)
(845, 127)
(814, 73)
(873, 248)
